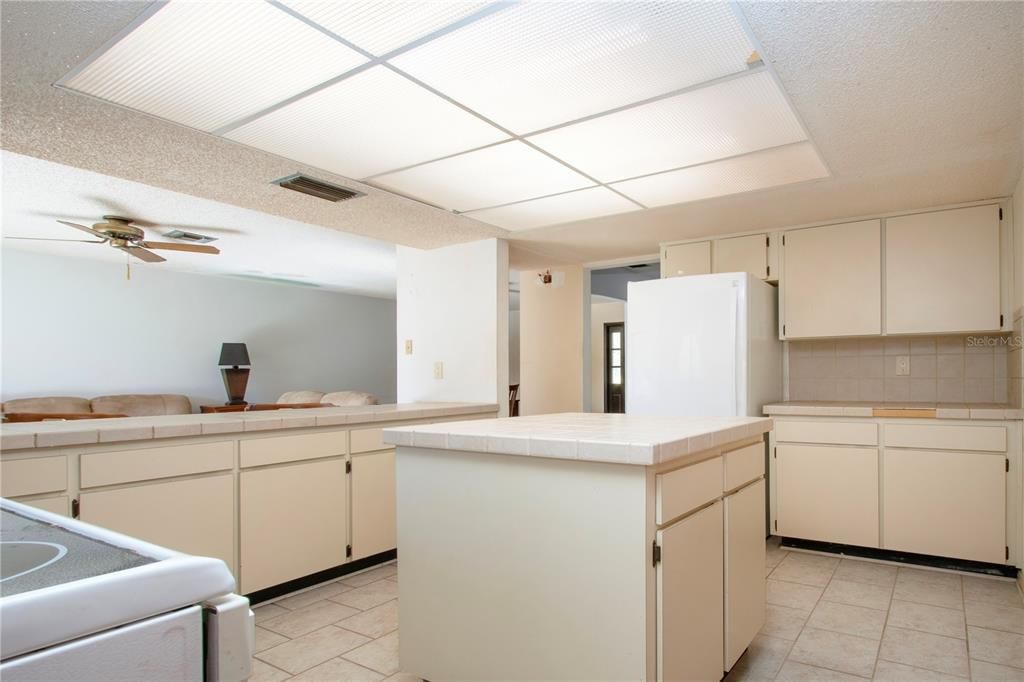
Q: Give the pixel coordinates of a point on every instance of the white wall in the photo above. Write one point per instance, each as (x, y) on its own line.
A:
(513, 347)
(600, 314)
(453, 306)
(77, 327)
(551, 342)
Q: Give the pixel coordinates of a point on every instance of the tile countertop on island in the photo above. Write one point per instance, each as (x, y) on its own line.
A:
(628, 439)
(27, 435)
(912, 410)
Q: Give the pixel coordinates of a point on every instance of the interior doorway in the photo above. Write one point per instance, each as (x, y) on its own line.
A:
(615, 367)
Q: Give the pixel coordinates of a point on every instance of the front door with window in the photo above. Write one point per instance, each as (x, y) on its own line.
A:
(615, 367)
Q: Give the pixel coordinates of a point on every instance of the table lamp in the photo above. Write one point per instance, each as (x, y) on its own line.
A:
(235, 378)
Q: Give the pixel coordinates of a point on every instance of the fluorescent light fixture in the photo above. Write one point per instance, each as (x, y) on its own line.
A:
(760, 170)
(538, 64)
(373, 122)
(501, 174)
(380, 26)
(206, 64)
(561, 208)
(733, 117)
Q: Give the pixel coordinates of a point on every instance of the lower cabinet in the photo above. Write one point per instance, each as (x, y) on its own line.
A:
(58, 505)
(373, 503)
(194, 516)
(690, 597)
(293, 521)
(950, 504)
(827, 493)
(744, 569)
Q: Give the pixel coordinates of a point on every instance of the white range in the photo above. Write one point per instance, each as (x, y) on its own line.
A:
(78, 602)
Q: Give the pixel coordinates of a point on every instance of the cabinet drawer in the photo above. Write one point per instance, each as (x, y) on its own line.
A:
(832, 433)
(368, 440)
(941, 437)
(32, 476)
(127, 466)
(259, 451)
(686, 489)
(743, 465)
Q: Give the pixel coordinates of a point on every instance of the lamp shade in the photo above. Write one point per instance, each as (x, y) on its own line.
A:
(233, 354)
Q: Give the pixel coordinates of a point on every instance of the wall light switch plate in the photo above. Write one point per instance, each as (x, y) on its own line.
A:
(903, 366)
(408, 346)
(439, 370)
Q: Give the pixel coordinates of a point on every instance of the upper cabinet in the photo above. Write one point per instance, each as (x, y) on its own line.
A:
(942, 271)
(742, 254)
(832, 281)
(678, 260)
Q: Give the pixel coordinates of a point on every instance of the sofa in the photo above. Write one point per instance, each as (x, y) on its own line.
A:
(138, 405)
(337, 398)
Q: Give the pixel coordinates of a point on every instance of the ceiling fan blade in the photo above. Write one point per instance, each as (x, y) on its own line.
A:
(172, 246)
(46, 239)
(141, 254)
(83, 228)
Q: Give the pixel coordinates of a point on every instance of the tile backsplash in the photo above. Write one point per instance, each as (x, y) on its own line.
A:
(943, 369)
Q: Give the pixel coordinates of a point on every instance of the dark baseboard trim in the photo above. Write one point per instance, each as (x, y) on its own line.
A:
(268, 593)
(903, 557)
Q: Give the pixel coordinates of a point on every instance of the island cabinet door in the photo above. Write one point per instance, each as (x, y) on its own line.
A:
(373, 503)
(744, 569)
(294, 521)
(690, 598)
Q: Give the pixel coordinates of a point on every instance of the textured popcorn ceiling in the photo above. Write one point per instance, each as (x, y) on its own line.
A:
(42, 41)
(910, 104)
(36, 193)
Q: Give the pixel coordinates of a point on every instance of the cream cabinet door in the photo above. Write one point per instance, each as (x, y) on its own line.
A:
(950, 504)
(827, 493)
(690, 597)
(194, 516)
(744, 569)
(678, 260)
(832, 281)
(942, 271)
(294, 521)
(373, 503)
(742, 254)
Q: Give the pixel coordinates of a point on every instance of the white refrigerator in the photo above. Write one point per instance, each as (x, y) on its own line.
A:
(703, 345)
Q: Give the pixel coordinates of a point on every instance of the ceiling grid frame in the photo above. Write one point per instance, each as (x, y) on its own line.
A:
(488, 10)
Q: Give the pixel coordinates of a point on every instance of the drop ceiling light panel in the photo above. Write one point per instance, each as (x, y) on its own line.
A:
(380, 27)
(538, 64)
(733, 117)
(562, 208)
(206, 64)
(501, 174)
(369, 123)
(760, 170)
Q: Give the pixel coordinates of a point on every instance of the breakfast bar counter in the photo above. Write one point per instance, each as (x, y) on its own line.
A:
(283, 497)
(580, 546)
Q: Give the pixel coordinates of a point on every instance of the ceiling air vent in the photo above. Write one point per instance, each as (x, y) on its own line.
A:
(190, 237)
(316, 188)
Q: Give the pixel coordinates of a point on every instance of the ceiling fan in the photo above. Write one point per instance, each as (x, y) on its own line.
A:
(121, 234)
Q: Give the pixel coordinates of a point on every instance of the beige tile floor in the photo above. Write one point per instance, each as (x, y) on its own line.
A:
(849, 619)
(828, 619)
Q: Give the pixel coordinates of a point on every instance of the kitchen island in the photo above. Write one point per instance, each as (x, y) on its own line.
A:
(580, 546)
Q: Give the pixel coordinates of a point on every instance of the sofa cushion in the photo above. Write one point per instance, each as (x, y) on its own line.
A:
(346, 398)
(148, 405)
(292, 397)
(49, 405)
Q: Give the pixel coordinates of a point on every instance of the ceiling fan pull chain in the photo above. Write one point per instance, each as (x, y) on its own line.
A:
(127, 268)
